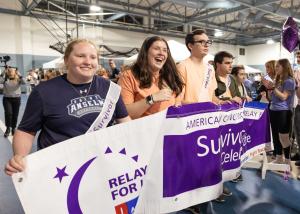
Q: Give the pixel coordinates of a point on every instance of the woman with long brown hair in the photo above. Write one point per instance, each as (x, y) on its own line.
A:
(281, 109)
(153, 82)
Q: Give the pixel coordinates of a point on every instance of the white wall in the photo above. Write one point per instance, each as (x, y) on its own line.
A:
(233, 49)
(23, 35)
(9, 35)
(112, 37)
(260, 54)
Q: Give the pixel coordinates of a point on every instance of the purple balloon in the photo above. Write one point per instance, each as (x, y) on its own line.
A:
(290, 34)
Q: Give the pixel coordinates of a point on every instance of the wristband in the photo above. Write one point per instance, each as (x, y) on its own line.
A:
(149, 100)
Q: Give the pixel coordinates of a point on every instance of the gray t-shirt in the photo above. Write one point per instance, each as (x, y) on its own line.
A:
(11, 88)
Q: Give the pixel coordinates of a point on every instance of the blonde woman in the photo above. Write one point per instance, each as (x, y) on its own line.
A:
(66, 106)
(267, 81)
(12, 82)
(102, 72)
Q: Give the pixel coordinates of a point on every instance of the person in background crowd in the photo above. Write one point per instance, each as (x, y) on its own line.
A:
(237, 87)
(102, 72)
(297, 109)
(248, 84)
(223, 66)
(12, 81)
(40, 74)
(69, 115)
(114, 70)
(281, 110)
(50, 74)
(152, 83)
(32, 78)
(256, 85)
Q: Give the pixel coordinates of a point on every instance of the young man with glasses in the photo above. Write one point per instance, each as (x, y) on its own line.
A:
(200, 82)
(198, 76)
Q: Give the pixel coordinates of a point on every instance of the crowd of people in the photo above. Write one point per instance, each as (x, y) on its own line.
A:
(151, 84)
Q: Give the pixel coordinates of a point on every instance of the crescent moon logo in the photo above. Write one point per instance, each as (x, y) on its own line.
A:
(72, 198)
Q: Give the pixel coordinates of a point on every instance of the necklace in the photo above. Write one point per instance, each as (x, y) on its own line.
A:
(83, 92)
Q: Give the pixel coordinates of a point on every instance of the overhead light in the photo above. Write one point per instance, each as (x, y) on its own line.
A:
(95, 14)
(270, 41)
(95, 8)
(218, 33)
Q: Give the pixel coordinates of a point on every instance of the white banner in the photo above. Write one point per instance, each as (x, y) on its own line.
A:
(104, 171)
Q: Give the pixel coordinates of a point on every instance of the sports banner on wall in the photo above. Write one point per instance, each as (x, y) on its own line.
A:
(158, 164)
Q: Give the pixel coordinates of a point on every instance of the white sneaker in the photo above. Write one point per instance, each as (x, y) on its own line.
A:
(278, 160)
(287, 161)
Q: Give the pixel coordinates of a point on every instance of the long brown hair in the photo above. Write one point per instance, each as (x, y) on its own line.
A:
(168, 75)
(287, 71)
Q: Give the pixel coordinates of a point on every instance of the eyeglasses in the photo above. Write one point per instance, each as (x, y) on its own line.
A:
(204, 42)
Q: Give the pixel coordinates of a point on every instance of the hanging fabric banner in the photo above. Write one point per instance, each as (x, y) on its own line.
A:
(158, 164)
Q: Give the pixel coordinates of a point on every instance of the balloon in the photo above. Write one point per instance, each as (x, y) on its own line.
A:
(290, 34)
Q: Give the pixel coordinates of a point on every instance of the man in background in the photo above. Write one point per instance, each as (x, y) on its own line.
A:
(223, 65)
(114, 70)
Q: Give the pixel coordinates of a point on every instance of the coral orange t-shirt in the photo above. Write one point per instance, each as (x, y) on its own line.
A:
(194, 78)
(131, 92)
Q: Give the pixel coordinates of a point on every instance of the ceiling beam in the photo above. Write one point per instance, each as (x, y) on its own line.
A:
(196, 4)
(115, 16)
(11, 12)
(152, 11)
(117, 8)
(30, 7)
(232, 10)
(208, 25)
(182, 35)
(143, 8)
(281, 12)
(24, 4)
(155, 5)
(224, 12)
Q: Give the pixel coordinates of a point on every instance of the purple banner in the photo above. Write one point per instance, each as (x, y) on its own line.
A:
(197, 159)
(183, 170)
